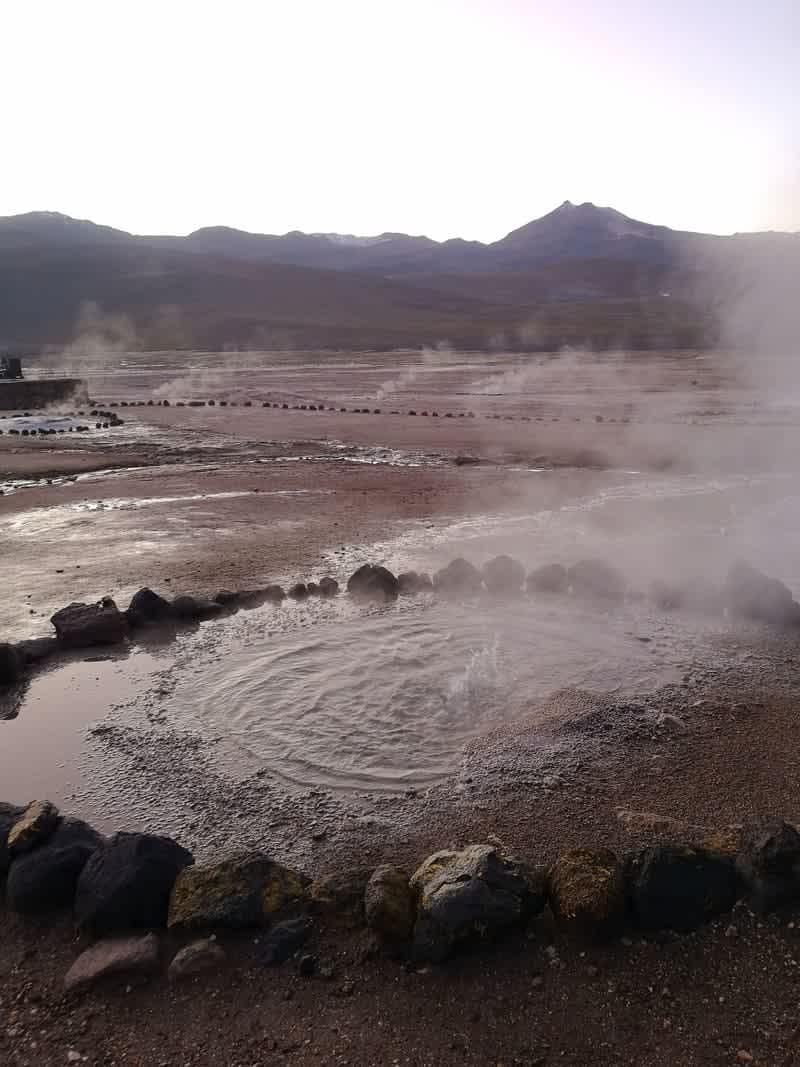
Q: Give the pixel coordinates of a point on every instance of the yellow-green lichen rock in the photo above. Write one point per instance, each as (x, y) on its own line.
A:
(245, 890)
(340, 892)
(389, 906)
(587, 889)
(39, 820)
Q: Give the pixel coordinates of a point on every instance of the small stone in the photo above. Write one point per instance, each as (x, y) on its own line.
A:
(537, 982)
(116, 956)
(73, 1056)
(743, 1056)
(307, 966)
(203, 955)
(282, 941)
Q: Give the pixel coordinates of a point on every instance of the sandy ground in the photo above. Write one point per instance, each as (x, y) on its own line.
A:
(204, 498)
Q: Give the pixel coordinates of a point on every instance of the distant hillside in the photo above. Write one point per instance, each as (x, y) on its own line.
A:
(581, 274)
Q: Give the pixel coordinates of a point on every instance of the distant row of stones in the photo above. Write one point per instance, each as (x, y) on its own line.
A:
(320, 406)
(132, 883)
(105, 420)
(746, 593)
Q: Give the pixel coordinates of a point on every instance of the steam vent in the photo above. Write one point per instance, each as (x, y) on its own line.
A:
(18, 393)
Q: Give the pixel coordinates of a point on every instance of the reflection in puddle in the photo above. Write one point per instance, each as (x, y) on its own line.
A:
(40, 749)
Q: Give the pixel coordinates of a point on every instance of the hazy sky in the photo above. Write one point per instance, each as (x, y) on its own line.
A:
(445, 117)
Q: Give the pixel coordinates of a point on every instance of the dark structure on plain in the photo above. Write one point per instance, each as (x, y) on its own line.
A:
(10, 368)
(24, 394)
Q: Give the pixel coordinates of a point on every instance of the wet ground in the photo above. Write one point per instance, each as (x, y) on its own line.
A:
(332, 734)
(332, 718)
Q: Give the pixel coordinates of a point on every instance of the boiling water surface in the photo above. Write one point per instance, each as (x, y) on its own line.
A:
(387, 698)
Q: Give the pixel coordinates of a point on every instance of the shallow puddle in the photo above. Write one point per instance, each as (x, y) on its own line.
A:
(41, 749)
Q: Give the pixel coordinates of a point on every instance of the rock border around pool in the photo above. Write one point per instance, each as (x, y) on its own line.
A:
(746, 593)
(325, 407)
(125, 890)
(104, 420)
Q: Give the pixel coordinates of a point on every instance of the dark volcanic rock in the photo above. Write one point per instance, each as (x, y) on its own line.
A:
(477, 892)
(410, 582)
(299, 591)
(274, 594)
(769, 863)
(675, 887)
(84, 625)
(244, 598)
(697, 594)
(282, 941)
(9, 814)
(37, 649)
(328, 587)
(127, 883)
(596, 578)
(45, 878)
(667, 596)
(10, 663)
(752, 595)
(192, 607)
(146, 607)
(551, 578)
(503, 575)
(372, 582)
(459, 577)
(228, 598)
(34, 826)
(313, 589)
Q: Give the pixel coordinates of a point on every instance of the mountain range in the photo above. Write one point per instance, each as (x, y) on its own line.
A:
(580, 274)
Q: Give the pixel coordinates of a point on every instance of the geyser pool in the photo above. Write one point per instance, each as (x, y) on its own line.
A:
(387, 698)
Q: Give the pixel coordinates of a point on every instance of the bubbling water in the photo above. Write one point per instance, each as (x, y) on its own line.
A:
(386, 699)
